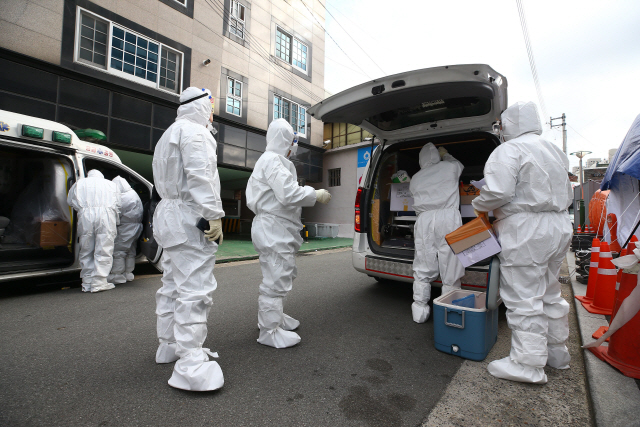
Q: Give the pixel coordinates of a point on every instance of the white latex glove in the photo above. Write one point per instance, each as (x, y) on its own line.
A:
(442, 151)
(215, 230)
(323, 196)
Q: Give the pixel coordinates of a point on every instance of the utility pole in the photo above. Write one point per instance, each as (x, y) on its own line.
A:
(564, 129)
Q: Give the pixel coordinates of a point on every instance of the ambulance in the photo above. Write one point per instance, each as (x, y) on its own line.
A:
(39, 162)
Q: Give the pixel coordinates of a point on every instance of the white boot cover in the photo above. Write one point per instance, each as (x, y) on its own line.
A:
(509, 370)
(289, 323)
(420, 312)
(117, 271)
(166, 353)
(101, 284)
(558, 356)
(195, 372)
(270, 321)
(129, 277)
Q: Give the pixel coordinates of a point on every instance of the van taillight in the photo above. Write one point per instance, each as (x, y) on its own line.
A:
(357, 210)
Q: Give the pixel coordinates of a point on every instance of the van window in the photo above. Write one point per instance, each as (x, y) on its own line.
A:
(431, 111)
(110, 171)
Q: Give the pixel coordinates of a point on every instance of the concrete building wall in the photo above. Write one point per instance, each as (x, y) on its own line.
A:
(341, 208)
(35, 27)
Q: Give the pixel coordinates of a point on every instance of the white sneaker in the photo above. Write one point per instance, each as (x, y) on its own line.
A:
(166, 353)
(420, 312)
(509, 370)
(278, 338)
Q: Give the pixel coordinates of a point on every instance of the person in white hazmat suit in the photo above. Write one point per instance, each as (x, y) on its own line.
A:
(274, 195)
(527, 188)
(129, 229)
(436, 200)
(97, 201)
(186, 177)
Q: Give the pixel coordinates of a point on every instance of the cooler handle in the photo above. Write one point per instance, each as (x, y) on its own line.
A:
(455, 325)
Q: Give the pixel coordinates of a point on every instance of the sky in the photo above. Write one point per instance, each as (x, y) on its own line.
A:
(587, 54)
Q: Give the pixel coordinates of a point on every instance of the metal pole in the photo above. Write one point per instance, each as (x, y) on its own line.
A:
(581, 183)
(564, 133)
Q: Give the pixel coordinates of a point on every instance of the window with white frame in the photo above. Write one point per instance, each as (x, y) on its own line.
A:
(182, 2)
(234, 97)
(236, 19)
(122, 52)
(294, 113)
(291, 50)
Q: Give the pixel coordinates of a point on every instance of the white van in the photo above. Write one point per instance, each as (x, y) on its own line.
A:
(457, 107)
(39, 162)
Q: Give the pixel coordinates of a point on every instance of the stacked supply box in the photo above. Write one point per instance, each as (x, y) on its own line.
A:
(468, 192)
(468, 331)
(401, 198)
(474, 241)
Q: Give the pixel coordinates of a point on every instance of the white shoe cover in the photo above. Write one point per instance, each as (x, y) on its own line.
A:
(289, 323)
(558, 356)
(129, 277)
(510, 370)
(117, 279)
(102, 287)
(166, 353)
(197, 373)
(420, 312)
(278, 338)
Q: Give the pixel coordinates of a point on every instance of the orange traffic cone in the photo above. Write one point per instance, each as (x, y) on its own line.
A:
(605, 286)
(612, 222)
(617, 300)
(623, 351)
(593, 273)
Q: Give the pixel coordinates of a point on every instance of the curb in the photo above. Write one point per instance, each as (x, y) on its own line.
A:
(615, 398)
(251, 257)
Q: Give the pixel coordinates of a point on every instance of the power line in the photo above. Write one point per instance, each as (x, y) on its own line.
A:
(354, 40)
(532, 62)
(254, 45)
(266, 56)
(579, 134)
(327, 32)
(342, 65)
(368, 33)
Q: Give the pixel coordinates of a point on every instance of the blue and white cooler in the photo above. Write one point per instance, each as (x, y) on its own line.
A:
(466, 322)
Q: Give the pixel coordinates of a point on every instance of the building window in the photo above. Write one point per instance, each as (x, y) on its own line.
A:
(129, 55)
(182, 2)
(234, 97)
(93, 41)
(294, 113)
(341, 134)
(291, 50)
(236, 19)
(334, 177)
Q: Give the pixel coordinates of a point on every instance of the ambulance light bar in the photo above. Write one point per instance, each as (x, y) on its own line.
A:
(32, 132)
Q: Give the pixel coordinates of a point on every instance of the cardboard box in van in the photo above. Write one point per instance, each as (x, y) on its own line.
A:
(401, 198)
(53, 233)
(474, 241)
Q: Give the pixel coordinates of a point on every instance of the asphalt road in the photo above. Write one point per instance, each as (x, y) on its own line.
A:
(70, 358)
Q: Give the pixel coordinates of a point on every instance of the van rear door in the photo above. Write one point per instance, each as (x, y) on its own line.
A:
(421, 103)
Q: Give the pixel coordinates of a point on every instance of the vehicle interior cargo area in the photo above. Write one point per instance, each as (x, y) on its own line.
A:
(392, 218)
(36, 224)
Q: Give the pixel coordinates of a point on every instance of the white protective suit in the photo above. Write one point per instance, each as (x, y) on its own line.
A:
(124, 253)
(528, 189)
(97, 201)
(186, 177)
(436, 200)
(274, 195)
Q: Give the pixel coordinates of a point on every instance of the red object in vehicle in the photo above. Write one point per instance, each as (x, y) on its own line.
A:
(357, 210)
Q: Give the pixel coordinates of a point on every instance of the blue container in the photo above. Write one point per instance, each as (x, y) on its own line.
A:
(468, 332)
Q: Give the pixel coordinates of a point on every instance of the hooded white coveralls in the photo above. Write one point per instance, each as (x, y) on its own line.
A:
(129, 229)
(274, 195)
(528, 189)
(97, 202)
(186, 177)
(436, 200)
